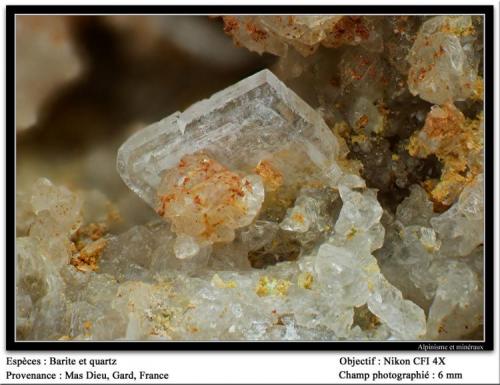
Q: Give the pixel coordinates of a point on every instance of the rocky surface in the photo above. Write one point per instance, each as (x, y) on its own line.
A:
(339, 200)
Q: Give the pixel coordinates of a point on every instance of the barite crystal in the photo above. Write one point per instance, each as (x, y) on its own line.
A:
(204, 169)
(239, 126)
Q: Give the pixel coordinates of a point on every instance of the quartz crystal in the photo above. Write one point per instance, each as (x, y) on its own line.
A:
(443, 63)
(274, 34)
(206, 201)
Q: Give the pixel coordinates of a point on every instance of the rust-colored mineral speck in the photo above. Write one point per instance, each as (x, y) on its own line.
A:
(348, 30)
(273, 179)
(230, 24)
(256, 33)
(362, 122)
(298, 218)
(88, 257)
(205, 200)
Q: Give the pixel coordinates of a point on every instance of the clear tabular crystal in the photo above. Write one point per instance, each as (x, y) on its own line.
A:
(238, 127)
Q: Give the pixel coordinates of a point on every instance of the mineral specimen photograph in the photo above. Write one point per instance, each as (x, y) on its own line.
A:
(232, 177)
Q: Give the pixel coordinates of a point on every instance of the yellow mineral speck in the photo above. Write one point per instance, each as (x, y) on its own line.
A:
(282, 287)
(64, 338)
(351, 233)
(478, 89)
(305, 280)
(88, 257)
(430, 248)
(380, 127)
(221, 284)
(457, 142)
(430, 184)
(460, 30)
(73, 248)
(262, 288)
(87, 325)
(162, 320)
(372, 268)
(361, 138)
(299, 218)
(395, 157)
(272, 286)
(429, 245)
(341, 129)
(93, 231)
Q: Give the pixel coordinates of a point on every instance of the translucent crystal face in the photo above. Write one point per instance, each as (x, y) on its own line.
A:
(443, 67)
(239, 127)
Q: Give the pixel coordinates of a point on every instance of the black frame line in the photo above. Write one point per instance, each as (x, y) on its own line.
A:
(489, 252)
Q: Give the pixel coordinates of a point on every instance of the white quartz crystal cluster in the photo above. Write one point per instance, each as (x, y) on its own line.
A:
(349, 276)
(48, 217)
(305, 33)
(437, 259)
(443, 60)
(142, 291)
(277, 220)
